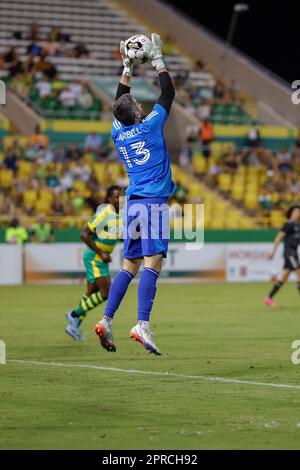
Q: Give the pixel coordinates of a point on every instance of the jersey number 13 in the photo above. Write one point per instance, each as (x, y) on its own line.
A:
(140, 151)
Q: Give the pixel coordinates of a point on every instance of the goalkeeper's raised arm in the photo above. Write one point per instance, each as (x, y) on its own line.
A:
(167, 88)
(124, 84)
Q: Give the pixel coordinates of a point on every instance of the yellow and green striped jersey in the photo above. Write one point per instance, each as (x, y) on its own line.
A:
(106, 225)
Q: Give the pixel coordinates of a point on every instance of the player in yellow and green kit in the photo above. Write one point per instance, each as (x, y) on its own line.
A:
(100, 235)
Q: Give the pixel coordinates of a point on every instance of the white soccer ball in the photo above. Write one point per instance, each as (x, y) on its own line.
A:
(138, 48)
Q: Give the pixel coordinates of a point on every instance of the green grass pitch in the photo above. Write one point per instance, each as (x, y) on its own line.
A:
(202, 330)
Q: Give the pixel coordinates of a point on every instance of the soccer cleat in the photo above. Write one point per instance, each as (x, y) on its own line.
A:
(270, 302)
(104, 332)
(73, 327)
(144, 336)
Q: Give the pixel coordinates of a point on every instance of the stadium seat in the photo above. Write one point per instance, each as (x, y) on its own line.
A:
(199, 163)
(224, 181)
(6, 178)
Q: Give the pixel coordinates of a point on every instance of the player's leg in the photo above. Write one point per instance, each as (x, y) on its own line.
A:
(96, 294)
(146, 294)
(154, 240)
(74, 320)
(277, 286)
(117, 292)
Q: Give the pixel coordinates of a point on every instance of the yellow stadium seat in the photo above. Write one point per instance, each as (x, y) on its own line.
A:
(114, 170)
(29, 197)
(237, 192)
(24, 168)
(199, 163)
(217, 223)
(224, 181)
(42, 206)
(10, 140)
(79, 186)
(194, 190)
(6, 178)
(216, 148)
(46, 195)
(251, 200)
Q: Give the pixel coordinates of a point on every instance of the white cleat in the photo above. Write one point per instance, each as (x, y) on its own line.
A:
(104, 332)
(144, 336)
(73, 327)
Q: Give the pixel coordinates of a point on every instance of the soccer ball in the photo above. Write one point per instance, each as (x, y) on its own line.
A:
(138, 48)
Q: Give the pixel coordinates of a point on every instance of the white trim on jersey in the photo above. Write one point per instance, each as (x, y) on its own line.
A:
(117, 125)
(151, 115)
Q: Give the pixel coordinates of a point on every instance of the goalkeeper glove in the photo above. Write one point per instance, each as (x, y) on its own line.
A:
(157, 57)
(128, 65)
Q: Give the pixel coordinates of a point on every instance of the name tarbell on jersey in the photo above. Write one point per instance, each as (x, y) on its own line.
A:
(128, 134)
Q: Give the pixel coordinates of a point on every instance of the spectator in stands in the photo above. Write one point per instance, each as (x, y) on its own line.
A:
(45, 155)
(15, 233)
(57, 206)
(29, 64)
(81, 50)
(11, 161)
(44, 87)
(67, 98)
(199, 66)
(230, 162)
(44, 66)
(76, 87)
(294, 184)
(59, 155)
(17, 35)
(204, 110)
(34, 33)
(73, 152)
(66, 179)
(10, 56)
(265, 201)
(85, 99)
(93, 143)
(15, 68)
(21, 84)
(34, 48)
(254, 137)
(284, 160)
(55, 34)
(51, 48)
(38, 139)
(52, 179)
(41, 231)
(297, 143)
(82, 171)
(219, 91)
(2, 63)
(206, 136)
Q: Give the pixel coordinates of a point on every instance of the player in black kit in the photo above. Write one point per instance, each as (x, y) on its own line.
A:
(290, 232)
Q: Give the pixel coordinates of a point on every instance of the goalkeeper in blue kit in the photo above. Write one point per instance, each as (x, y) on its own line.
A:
(141, 146)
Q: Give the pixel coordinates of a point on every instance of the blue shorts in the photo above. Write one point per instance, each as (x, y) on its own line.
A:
(146, 227)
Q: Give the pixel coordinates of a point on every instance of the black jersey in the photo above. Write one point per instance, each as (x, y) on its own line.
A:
(292, 237)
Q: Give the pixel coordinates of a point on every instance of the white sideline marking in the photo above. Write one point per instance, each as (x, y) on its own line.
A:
(206, 378)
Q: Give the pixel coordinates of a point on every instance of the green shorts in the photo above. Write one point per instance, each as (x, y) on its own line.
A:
(94, 269)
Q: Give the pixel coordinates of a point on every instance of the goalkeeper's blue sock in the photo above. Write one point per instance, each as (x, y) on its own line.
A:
(146, 293)
(117, 291)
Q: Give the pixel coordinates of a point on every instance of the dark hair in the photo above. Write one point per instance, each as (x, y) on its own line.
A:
(291, 210)
(124, 109)
(110, 192)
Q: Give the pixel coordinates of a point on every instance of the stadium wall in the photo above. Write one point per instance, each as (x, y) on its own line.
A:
(61, 262)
